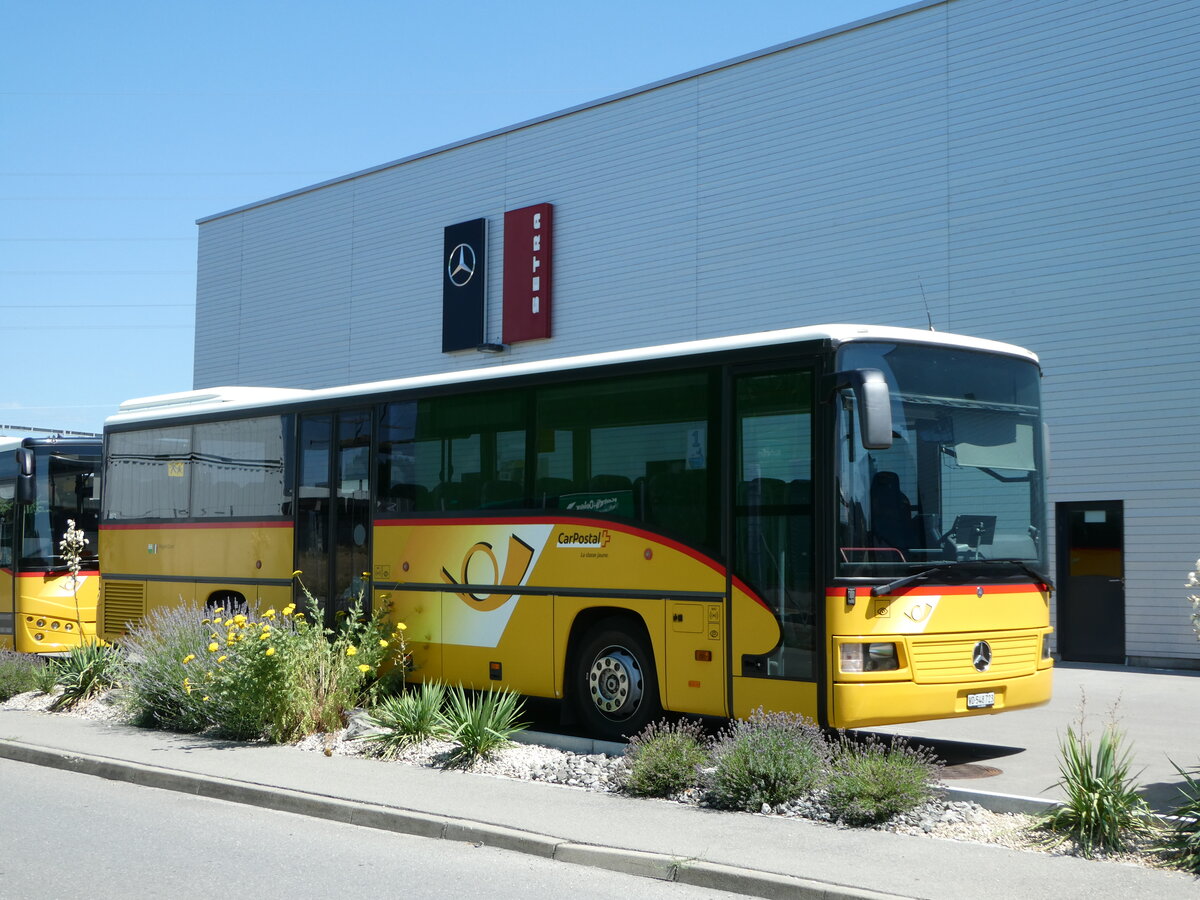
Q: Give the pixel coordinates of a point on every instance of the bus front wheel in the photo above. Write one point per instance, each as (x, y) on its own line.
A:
(616, 686)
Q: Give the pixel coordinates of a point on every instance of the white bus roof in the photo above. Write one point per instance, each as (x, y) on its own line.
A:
(229, 399)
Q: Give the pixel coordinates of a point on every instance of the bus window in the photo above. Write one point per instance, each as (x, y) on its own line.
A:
(635, 447)
(450, 454)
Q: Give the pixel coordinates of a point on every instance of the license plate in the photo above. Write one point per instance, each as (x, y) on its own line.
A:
(983, 700)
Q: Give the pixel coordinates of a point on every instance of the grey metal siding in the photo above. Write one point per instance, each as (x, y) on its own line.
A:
(1024, 170)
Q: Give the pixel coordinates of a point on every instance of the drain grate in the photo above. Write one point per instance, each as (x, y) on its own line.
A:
(970, 770)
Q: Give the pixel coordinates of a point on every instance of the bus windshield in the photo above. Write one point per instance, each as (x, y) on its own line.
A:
(67, 489)
(963, 479)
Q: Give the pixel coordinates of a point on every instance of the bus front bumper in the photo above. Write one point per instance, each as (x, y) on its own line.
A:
(882, 703)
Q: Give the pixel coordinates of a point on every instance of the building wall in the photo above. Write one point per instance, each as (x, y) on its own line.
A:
(1023, 170)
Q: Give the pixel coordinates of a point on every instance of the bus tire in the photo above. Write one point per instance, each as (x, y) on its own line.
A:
(615, 682)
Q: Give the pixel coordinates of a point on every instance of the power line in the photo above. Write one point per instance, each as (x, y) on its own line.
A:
(101, 306)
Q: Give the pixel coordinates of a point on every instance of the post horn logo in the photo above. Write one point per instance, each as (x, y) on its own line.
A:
(516, 565)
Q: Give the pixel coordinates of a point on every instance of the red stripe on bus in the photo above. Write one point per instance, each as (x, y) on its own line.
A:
(928, 590)
(56, 574)
(5, 570)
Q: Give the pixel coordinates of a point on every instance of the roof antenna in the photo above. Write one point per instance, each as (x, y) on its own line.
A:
(925, 300)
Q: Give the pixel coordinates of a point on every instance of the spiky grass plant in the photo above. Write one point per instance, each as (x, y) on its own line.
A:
(408, 718)
(1102, 812)
(870, 782)
(86, 671)
(664, 759)
(481, 722)
(770, 758)
(1181, 840)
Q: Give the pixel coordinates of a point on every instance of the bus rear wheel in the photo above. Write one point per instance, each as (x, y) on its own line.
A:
(615, 683)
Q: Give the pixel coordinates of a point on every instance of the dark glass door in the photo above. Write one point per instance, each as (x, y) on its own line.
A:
(1091, 581)
(773, 514)
(333, 518)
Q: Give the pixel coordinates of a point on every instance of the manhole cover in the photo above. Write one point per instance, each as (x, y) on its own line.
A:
(970, 770)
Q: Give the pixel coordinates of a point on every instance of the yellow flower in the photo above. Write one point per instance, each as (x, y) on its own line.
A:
(382, 643)
(299, 615)
(206, 699)
(187, 685)
(206, 621)
(364, 668)
(400, 626)
(222, 658)
(297, 572)
(289, 609)
(351, 650)
(218, 610)
(270, 651)
(212, 648)
(229, 623)
(187, 659)
(269, 614)
(239, 619)
(264, 635)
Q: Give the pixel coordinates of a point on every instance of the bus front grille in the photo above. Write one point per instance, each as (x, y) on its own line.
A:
(123, 605)
(941, 660)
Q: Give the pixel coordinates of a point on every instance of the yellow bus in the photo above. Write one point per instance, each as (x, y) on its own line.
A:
(44, 484)
(843, 521)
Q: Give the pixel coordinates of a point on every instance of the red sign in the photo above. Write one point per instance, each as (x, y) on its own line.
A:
(528, 251)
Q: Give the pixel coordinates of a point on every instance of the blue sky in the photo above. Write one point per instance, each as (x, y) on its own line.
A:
(123, 122)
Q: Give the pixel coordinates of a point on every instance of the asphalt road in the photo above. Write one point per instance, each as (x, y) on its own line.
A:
(68, 835)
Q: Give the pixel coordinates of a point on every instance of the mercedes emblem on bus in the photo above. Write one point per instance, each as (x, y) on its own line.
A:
(982, 656)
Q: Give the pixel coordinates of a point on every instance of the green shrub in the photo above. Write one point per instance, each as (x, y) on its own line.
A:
(1182, 838)
(20, 672)
(409, 718)
(282, 676)
(1102, 811)
(157, 672)
(664, 759)
(86, 670)
(276, 676)
(481, 722)
(770, 758)
(870, 782)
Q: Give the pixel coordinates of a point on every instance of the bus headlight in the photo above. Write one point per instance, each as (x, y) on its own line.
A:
(880, 657)
(1046, 645)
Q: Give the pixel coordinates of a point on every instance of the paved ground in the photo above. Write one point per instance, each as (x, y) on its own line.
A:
(756, 855)
(1158, 710)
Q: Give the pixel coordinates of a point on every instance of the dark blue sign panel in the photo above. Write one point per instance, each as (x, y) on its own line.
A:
(464, 285)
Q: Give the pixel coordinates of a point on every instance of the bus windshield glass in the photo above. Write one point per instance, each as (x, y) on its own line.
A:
(963, 479)
(68, 488)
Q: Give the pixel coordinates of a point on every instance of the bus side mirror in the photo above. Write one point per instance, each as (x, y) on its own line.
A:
(874, 405)
(25, 492)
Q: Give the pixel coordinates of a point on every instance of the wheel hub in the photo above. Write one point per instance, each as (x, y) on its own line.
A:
(615, 682)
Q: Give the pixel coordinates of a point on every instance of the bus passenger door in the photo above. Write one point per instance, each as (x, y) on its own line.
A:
(333, 514)
(774, 617)
(8, 581)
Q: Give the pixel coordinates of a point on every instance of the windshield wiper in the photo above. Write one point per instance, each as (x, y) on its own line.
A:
(1024, 567)
(893, 586)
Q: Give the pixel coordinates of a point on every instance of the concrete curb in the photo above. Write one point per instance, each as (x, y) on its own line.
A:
(698, 873)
